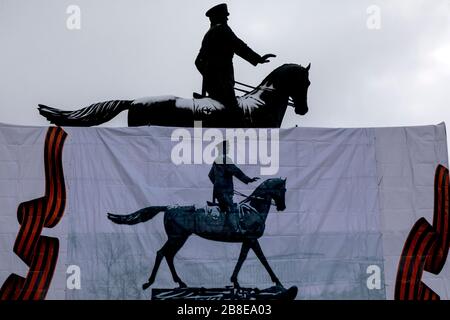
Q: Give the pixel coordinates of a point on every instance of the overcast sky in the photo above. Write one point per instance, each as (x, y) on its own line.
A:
(398, 75)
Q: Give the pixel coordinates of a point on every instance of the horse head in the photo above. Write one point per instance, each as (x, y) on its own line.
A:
(275, 189)
(278, 192)
(293, 81)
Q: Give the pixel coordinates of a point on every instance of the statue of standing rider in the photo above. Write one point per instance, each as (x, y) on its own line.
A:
(221, 175)
(215, 59)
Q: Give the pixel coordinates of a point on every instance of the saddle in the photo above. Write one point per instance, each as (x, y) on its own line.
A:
(240, 212)
(212, 209)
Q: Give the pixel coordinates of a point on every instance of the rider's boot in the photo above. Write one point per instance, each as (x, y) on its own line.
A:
(232, 223)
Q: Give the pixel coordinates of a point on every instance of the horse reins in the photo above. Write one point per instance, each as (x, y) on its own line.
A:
(290, 101)
(272, 202)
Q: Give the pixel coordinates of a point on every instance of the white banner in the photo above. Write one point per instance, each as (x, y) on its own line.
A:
(338, 231)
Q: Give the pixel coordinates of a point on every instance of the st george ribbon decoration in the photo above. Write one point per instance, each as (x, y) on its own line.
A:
(40, 252)
(426, 248)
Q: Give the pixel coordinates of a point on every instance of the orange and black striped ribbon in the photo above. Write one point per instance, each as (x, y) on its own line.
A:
(426, 247)
(40, 253)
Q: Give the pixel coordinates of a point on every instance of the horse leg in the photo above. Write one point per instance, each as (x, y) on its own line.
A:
(242, 256)
(259, 253)
(175, 245)
(159, 256)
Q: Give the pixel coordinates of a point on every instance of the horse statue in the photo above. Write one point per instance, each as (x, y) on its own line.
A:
(180, 222)
(262, 107)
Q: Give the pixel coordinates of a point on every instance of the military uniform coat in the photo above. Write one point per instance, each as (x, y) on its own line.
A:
(215, 62)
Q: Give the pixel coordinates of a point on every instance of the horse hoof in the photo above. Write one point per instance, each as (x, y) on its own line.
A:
(146, 285)
(182, 285)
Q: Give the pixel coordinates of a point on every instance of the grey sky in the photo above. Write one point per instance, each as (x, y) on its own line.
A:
(396, 76)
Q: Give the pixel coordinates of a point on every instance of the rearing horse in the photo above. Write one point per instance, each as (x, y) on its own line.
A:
(263, 107)
(182, 222)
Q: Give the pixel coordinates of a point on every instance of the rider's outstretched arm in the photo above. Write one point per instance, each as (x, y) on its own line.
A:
(239, 174)
(242, 50)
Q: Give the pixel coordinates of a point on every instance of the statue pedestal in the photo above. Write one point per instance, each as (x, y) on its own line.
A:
(226, 293)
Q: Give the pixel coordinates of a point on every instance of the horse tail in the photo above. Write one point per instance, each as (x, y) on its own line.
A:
(139, 216)
(92, 115)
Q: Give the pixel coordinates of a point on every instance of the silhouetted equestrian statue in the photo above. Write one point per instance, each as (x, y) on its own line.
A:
(221, 175)
(180, 222)
(215, 60)
(263, 106)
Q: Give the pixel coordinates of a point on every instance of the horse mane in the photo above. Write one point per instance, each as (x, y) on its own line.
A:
(265, 185)
(274, 76)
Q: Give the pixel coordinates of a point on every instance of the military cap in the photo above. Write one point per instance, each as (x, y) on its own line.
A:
(219, 10)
